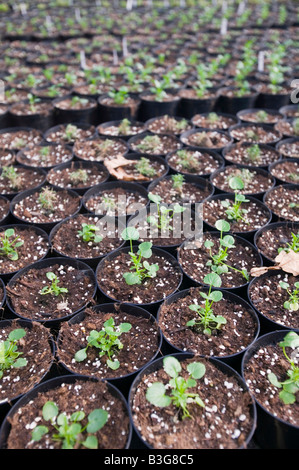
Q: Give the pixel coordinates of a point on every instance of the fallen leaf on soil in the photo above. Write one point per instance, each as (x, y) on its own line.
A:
(115, 165)
(288, 262)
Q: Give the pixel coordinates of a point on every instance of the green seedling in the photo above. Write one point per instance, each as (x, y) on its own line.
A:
(9, 244)
(253, 152)
(141, 269)
(177, 182)
(47, 198)
(292, 304)
(188, 160)
(164, 214)
(79, 176)
(218, 261)
(54, 288)
(119, 96)
(124, 127)
(234, 210)
(143, 166)
(9, 354)
(212, 118)
(293, 245)
(88, 233)
(107, 341)
(11, 174)
(71, 132)
(176, 391)
(290, 387)
(76, 100)
(68, 429)
(262, 115)
(33, 100)
(295, 126)
(149, 143)
(205, 320)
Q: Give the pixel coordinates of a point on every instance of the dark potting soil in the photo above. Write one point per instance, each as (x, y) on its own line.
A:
(189, 193)
(116, 202)
(19, 139)
(113, 284)
(34, 247)
(27, 300)
(254, 181)
(155, 144)
(242, 154)
(122, 129)
(224, 422)
(17, 179)
(255, 134)
(4, 208)
(232, 338)
(270, 240)
(268, 297)
(168, 125)
(69, 134)
(280, 201)
(213, 121)
(99, 149)
(139, 344)
(68, 242)
(45, 155)
(287, 128)
(7, 157)
(286, 171)
(192, 162)
(261, 116)
(35, 347)
(270, 358)
(289, 149)
(70, 398)
(26, 109)
(31, 210)
(76, 178)
(193, 260)
(253, 218)
(207, 139)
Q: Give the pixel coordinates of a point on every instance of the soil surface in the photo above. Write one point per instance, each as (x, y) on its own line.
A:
(232, 338)
(4, 208)
(17, 139)
(188, 193)
(77, 396)
(190, 161)
(113, 284)
(207, 139)
(244, 153)
(36, 348)
(224, 423)
(69, 134)
(214, 121)
(139, 344)
(77, 176)
(16, 179)
(280, 201)
(121, 129)
(67, 241)
(28, 301)
(45, 156)
(289, 149)
(287, 171)
(193, 260)
(268, 297)
(99, 149)
(255, 134)
(116, 202)
(270, 240)
(254, 181)
(168, 125)
(155, 144)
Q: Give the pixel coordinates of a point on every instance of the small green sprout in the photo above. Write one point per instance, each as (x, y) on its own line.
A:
(79, 176)
(290, 387)
(295, 126)
(143, 166)
(205, 320)
(142, 269)
(188, 160)
(164, 214)
(70, 132)
(293, 245)
(149, 143)
(218, 262)
(262, 115)
(177, 182)
(234, 210)
(9, 354)
(125, 127)
(54, 288)
(178, 386)
(10, 173)
(47, 198)
(107, 341)
(9, 244)
(88, 233)
(119, 96)
(70, 432)
(292, 304)
(253, 152)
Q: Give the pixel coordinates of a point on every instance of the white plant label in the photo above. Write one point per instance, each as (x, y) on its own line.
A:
(82, 60)
(115, 57)
(261, 61)
(223, 29)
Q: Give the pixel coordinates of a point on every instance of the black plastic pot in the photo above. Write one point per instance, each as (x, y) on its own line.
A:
(89, 128)
(248, 235)
(234, 118)
(150, 108)
(289, 110)
(198, 130)
(274, 101)
(35, 120)
(39, 171)
(233, 360)
(263, 126)
(123, 382)
(114, 113)
(280, 162)
(23, 160)
(276, 217)
(78, 165)
(178, 119)
(47, 226)
(271, 431)
(158, 364)
(258, 195)
(13, 130)
(234, 104)
(151, 307)
(92, 262)
(227, 149)
(101, 129)
(47, 386)
(292, 225)
(39, 232)
(192, 282)
(136, 138)
(267, 324)
(87, 115)
(47, 263)
(188, 107)
(291, 140)
(242, 115)
(5, 406)
(216, 156)
(5, 119)
(7, 216)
